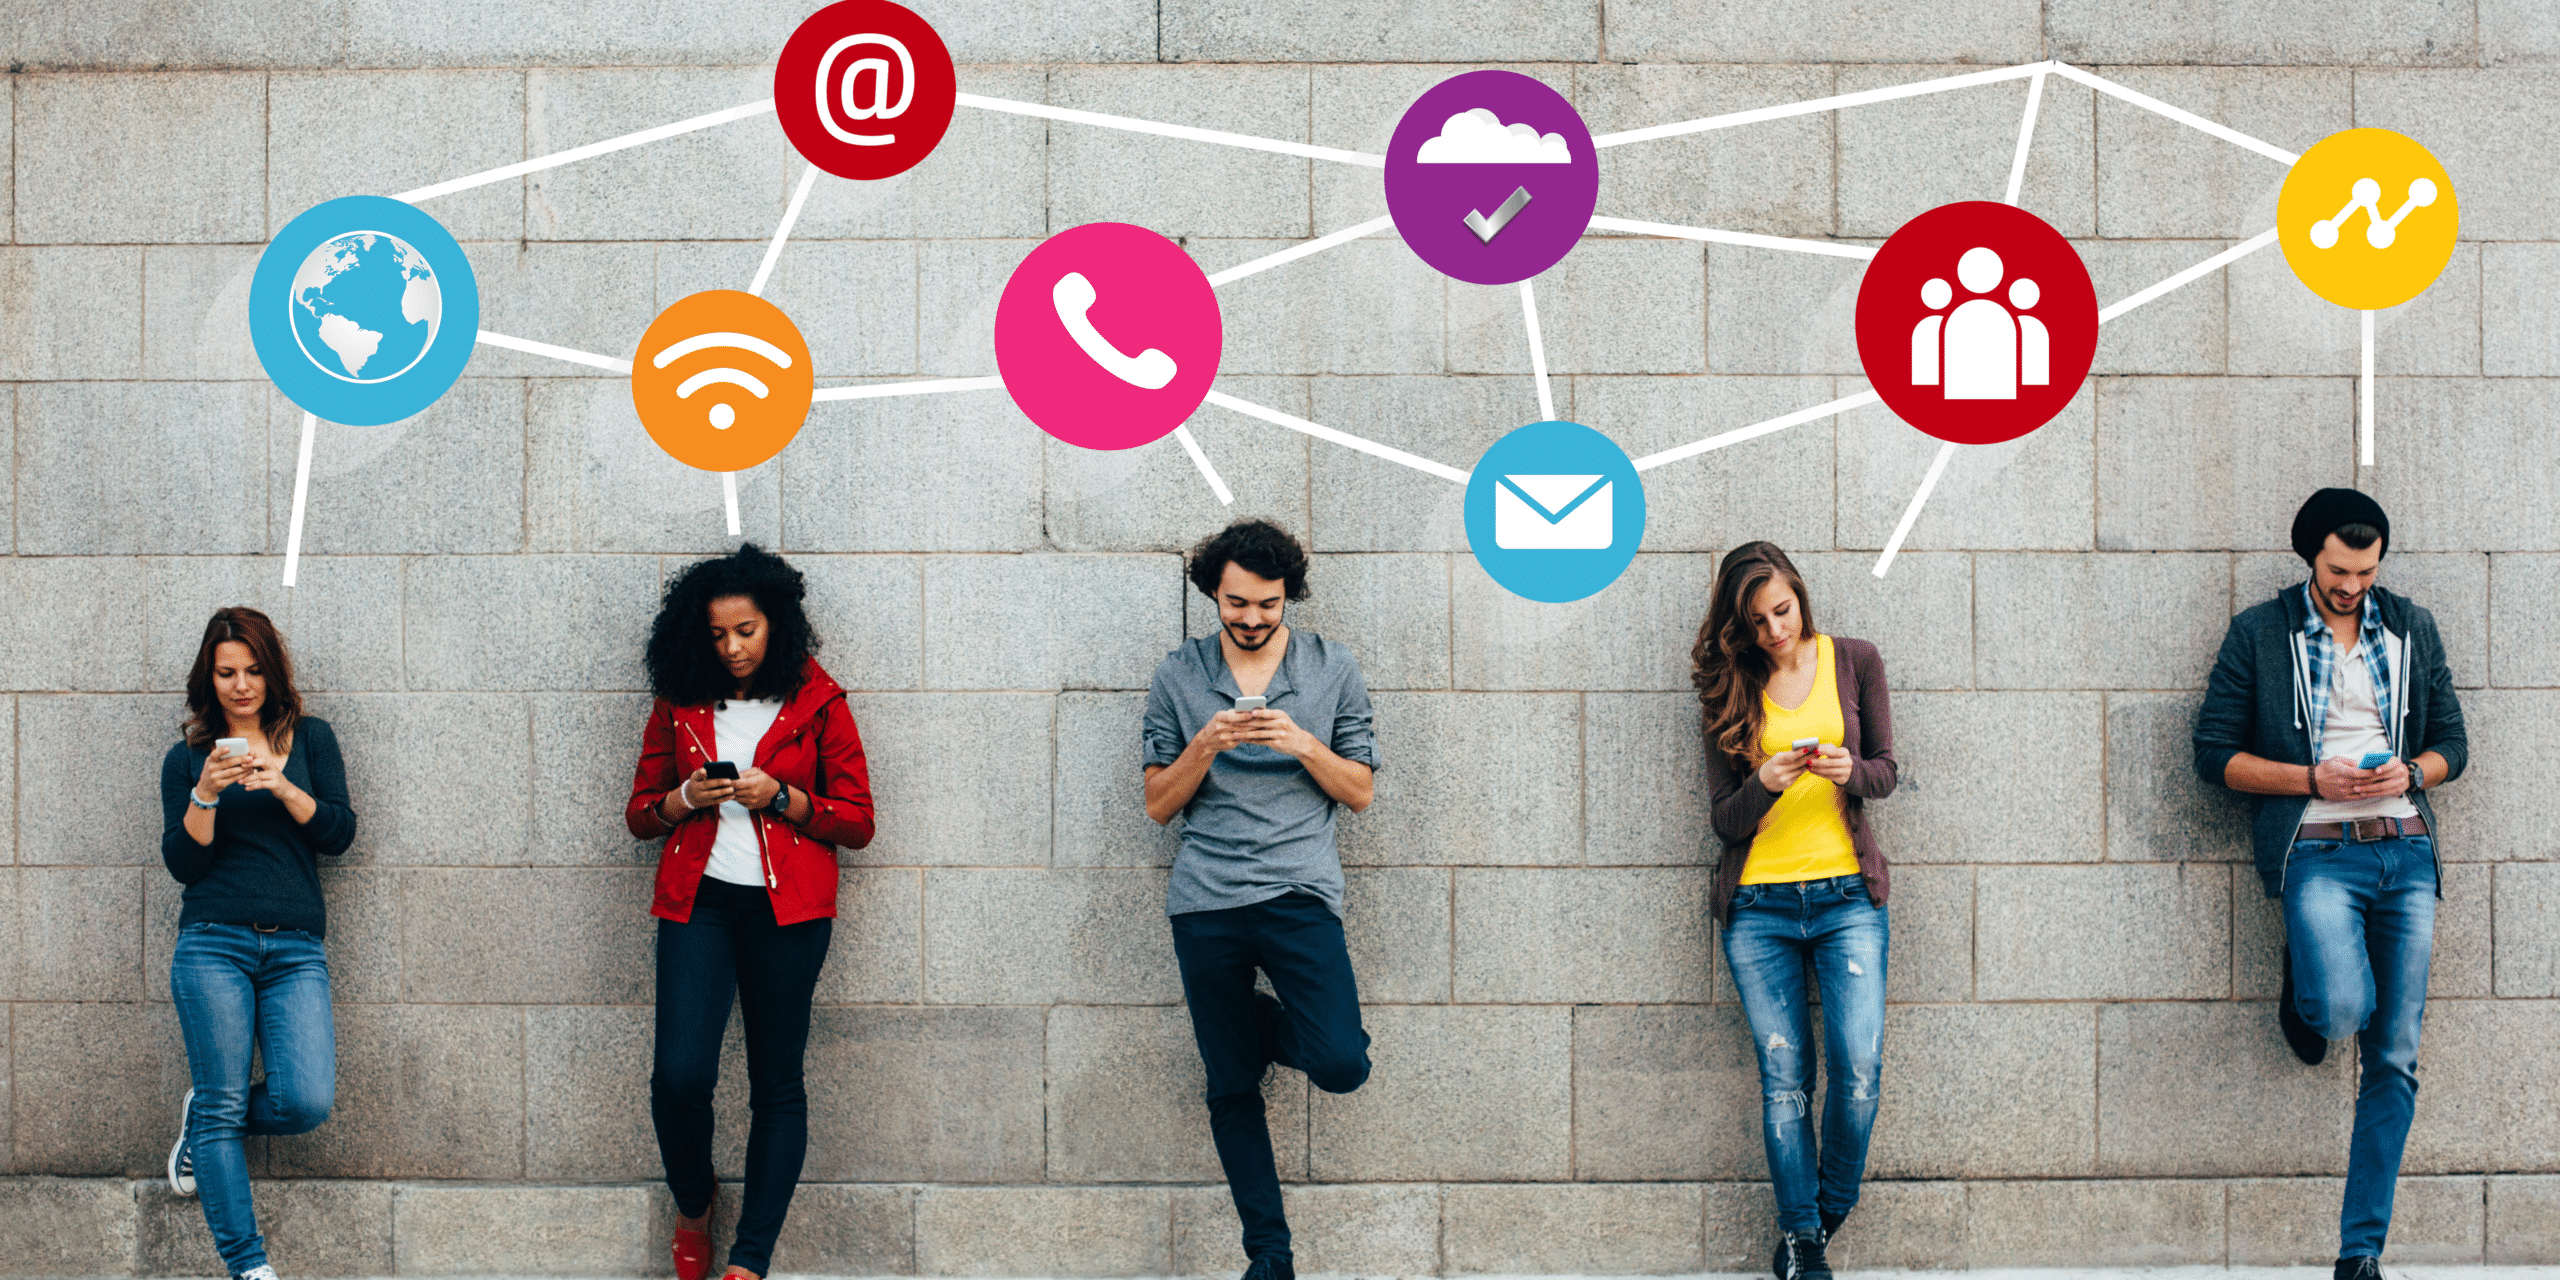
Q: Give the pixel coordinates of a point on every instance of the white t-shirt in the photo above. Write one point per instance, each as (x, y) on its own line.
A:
(2354, 728)
(736, 728)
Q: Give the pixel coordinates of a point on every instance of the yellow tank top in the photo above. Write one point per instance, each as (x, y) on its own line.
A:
(1805, 834)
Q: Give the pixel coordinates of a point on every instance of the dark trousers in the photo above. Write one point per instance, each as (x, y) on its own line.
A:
(732, 948)
(1297, 941)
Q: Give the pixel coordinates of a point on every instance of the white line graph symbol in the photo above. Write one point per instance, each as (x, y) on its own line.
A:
(2036, 73)
(2378, 230)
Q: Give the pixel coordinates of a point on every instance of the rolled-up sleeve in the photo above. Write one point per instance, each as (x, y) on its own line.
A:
(1160, 729)
(1355, 734)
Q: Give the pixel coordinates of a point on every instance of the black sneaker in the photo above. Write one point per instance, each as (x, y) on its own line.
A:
(2363, 1268)
(1799, 1258)
(2304, 1039)
(1272, 1266)
(1831, 1225)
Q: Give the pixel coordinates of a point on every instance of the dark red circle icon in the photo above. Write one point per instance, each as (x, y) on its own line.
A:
(1977, 322)
(864, 89)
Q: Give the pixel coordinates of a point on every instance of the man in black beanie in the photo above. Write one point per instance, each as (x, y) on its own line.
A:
(2331, 708)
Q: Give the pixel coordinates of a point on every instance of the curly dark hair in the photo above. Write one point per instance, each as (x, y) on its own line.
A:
(1264, 549)
(683, 667)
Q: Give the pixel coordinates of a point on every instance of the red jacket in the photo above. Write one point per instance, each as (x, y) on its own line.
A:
(813, 746)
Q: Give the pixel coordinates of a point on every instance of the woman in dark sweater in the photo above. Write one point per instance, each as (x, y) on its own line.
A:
(1799, 737)
(746, 892)
(246, 827)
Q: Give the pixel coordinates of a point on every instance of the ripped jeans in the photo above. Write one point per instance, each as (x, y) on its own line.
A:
(1777, 928)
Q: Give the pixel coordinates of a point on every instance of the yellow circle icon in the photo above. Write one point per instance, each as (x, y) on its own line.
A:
(722, 380)
(2367, 219)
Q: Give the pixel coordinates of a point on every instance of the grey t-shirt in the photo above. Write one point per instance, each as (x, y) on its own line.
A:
(1259, 826)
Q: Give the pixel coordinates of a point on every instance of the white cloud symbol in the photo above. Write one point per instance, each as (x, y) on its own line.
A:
(1478, 137)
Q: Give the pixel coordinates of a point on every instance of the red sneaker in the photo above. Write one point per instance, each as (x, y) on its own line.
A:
(692, 1249)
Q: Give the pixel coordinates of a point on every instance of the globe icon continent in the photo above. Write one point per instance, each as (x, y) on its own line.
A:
(365, 307)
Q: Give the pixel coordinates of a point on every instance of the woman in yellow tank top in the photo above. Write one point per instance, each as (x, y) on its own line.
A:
(1799, 736)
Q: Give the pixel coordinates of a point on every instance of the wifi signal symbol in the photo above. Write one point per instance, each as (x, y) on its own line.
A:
(721, 414)
(704, 409)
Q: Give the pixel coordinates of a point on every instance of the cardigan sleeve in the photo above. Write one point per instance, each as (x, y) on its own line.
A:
(1736, 800)
(1875, 773)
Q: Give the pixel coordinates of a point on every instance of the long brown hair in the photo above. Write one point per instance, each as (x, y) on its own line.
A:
(1727, 664)
(283, 707)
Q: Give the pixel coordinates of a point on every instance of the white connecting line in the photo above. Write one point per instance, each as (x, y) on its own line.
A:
(1346, 440)
(1537, 354)
(1947, 450)
(2035, 72)
(2017, 180)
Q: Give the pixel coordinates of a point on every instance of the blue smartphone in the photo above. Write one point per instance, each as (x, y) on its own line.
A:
(2373, 759)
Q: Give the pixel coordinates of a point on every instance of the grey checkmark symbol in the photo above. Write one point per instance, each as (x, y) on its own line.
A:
(1487, 228)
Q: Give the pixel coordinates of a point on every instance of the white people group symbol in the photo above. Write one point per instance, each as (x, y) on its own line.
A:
(1998, 321)
(1982, 350)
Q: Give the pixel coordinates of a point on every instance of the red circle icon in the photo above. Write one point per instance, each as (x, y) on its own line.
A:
(1977, 322)
(864, 89)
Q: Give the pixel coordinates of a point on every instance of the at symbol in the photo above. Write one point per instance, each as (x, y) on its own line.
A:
(876, 109)
(721, 414)
(2378, 231)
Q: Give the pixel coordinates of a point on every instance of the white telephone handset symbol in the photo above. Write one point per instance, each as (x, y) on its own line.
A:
(1073, 296)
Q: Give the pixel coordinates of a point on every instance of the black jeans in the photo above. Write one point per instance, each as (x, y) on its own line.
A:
(1297, 941)
(732, 947)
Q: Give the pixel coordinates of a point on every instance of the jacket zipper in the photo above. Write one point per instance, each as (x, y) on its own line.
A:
(754, 821)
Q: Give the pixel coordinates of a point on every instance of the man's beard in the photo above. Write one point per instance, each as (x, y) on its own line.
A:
(1250, 646)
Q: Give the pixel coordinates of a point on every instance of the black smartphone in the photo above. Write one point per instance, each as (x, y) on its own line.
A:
(725, 769)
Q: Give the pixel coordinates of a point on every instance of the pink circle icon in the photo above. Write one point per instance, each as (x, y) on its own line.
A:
(1108, 336)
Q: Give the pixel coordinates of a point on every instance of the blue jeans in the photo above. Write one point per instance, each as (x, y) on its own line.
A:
(1298, 942)
(236, 989)
(1776, 928)
(733, 950)
(2360, 920)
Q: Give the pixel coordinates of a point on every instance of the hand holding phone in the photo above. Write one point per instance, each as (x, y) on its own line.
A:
(2373, 760)
(1804, 744)
(1252, 704)
(725, 770)
(227, 763)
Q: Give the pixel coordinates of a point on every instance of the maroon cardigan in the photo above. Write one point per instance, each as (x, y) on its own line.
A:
(1739, 801)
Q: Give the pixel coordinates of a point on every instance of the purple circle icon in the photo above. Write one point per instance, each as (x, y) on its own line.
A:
(1491, 177)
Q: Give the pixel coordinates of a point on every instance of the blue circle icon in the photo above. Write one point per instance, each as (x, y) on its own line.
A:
(363, 310)
(1554, 511)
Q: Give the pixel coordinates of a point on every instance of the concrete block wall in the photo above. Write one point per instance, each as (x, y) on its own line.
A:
(2082, 1058)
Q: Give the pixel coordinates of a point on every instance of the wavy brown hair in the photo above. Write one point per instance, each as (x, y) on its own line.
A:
(1727, 664)
(283, 707)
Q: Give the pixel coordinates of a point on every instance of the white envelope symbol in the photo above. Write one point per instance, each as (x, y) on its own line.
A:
(1553, 513)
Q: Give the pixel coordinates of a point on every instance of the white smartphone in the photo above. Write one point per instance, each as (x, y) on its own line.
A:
(1804, 744)
(1255, 703)
(235, 746)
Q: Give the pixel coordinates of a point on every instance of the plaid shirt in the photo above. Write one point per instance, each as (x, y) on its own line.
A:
(2320, 653)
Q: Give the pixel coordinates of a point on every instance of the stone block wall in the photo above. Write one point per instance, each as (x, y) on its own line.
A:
(2082, 1059)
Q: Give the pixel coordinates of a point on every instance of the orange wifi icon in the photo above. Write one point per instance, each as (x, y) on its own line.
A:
(722, 380)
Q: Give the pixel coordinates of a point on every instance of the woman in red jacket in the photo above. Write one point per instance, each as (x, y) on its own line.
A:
(746, 894)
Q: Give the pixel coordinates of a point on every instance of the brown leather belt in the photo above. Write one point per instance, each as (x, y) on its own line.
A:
(2363, 830)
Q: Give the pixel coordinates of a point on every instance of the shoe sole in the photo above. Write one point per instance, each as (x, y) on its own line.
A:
(183, 1185)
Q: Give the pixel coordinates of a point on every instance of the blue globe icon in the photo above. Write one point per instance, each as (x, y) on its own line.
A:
(366, 306)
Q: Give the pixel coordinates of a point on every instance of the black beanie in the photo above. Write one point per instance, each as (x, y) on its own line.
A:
(2329, 510)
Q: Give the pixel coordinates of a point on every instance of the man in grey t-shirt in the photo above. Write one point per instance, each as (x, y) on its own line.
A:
(1257, 883)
